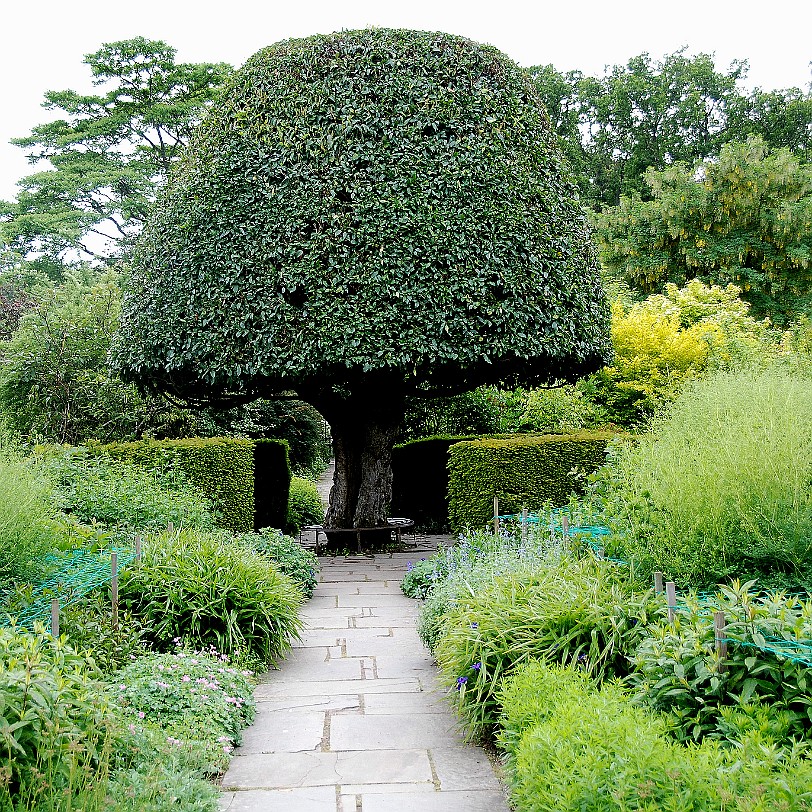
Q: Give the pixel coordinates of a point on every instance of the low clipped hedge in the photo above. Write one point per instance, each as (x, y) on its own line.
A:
(526, 470)
(420, 480)
(221, 468)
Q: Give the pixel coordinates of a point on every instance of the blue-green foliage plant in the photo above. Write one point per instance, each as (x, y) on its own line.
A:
(96, 488)
(207, 589)
(575, 747)
(721, 486)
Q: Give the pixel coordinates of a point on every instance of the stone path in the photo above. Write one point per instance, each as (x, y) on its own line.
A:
(355, 720)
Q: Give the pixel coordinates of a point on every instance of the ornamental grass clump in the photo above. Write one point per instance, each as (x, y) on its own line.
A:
(572, 611)
(208, 589)
(722, 485)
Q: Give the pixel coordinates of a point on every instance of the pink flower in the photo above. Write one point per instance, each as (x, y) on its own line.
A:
(186, 678)
(141, 714)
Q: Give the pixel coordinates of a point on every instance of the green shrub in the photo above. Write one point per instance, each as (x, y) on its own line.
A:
(88, 628)
(290, 557)
(420, 480)
(420, 578)
(115, 494)
(55, 729)
(677, 670)
(27, 526)
(304, 505)
(475, 412)
(522, 471)
(722, 485)
(573, 748)
(221, 469)
(569, 611)
(206, 589)
(272, 480)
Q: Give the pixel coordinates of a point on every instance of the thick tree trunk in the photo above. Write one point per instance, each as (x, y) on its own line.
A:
(364, 428)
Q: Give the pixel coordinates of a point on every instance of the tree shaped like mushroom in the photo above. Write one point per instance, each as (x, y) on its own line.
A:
(366, 216)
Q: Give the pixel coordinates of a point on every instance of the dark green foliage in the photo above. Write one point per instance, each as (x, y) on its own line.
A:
(221, 469)
(677, 670)
(304, 505)
(420, 481)
(209, 590)
(95, 488)
(522, 471)
(290, 557)
(272, 479)
(370, 203)
(474, 412)
(575, 748)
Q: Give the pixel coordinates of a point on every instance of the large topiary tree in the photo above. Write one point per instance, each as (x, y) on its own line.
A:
(365, 216)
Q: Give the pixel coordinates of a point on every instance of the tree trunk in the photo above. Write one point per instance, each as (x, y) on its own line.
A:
(364, 427)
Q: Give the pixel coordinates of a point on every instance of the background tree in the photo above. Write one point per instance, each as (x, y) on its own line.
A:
(745, 219)
(109, 153)
(365, 216)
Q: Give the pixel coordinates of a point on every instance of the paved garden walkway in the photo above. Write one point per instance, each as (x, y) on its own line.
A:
(355, 720)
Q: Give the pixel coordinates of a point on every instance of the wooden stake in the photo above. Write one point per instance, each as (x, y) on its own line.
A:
(719, 627)
(114, 586)
(138, 542)
(55, 618)
(658, 583)
(565, 526)
(524, 524)
(671, 598)
(170, 527)
(495, 515)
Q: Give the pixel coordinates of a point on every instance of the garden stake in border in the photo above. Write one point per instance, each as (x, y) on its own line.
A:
(495, 515)
(671, 599)
(55, 618)
(524, 524)
(658, 583)
(138, 542)
(114, 586)
(719, 627)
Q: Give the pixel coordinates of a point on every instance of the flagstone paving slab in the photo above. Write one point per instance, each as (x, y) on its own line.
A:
(355, 719)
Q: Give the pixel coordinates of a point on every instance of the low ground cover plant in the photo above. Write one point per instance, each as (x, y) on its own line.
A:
(206, 589)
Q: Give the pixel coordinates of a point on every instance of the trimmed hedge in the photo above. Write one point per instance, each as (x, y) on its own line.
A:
(221, 468)
(272, 477)
(526, 470)
(420, 480)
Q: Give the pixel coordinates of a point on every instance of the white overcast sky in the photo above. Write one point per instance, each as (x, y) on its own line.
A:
(44, 41)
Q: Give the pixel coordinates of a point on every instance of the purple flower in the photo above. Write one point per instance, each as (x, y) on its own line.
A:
(409, 566)
(475, 625)
(476, 666)
(461, 682)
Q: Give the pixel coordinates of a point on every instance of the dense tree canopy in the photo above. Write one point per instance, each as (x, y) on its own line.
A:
(108, 154)
(744, 219)
(654, 113)
(365, 215)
